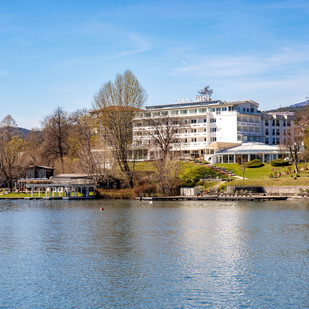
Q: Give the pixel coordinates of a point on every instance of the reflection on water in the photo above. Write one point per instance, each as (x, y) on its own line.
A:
(57, 254)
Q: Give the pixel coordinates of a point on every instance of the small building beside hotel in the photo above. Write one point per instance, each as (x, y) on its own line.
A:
(227, 153)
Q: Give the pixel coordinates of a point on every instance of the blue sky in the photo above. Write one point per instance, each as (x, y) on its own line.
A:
(59, 53)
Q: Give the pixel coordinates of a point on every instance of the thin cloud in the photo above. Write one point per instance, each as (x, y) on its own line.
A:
(225, 66)
(290, 4)
(141, 45)
(118, 36)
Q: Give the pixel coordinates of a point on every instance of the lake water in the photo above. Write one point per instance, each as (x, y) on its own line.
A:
(69, 254)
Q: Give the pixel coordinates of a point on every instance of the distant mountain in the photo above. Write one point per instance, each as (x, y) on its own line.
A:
(22, 132)
(301, 104)
(292, 108)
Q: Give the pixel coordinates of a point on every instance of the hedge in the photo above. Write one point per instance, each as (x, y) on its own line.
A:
(279, 162)
(255, 163)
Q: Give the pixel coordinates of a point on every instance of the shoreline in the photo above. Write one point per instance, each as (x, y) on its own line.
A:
(252, 198)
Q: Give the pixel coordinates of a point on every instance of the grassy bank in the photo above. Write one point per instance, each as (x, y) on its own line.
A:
(265, 171)
(115, 194)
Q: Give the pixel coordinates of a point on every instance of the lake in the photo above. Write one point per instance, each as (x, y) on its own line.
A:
(208, 254)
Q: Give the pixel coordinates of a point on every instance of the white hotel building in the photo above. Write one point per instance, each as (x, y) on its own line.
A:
(214, 129)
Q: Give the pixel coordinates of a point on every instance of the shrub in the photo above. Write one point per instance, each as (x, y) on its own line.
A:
(255, 163)
(145, 189)
(191, 174)
(115, 193)
(199, 189)
(279, 162)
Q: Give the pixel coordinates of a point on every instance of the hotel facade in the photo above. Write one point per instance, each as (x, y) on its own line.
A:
(211, 127)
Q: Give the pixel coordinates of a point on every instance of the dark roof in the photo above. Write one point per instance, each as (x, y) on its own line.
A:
(40, 166)
(183, 104)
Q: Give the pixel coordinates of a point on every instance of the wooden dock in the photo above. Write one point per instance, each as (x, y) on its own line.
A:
(253, 198)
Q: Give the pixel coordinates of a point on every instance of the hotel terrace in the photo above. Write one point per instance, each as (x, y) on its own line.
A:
(217, 131)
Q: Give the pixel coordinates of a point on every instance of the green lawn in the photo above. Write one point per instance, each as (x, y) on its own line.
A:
(264, 171)
(260, 176)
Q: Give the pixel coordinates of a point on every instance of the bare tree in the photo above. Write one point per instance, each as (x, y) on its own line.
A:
(85, 142)
(167, 172)
(8, 121)
(164, 133)
(8, 127)
(116, 104)
(306, 138)
(33, 152)
(242, 168)
(304, 155)
(10, 152)
(292, 145)
(11, 147)
(206, 91)
(56, 131)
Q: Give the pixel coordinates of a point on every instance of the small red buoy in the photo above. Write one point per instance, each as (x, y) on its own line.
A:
(102, 208)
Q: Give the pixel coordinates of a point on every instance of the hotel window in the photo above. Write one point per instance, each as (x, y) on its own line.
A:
(213, 129)
(193, 140)
(266, 122)
(213, 139)
(266, 132)
(193, 120)
(213, 109)
(277, 141)
(231, 108)
(186, 140)
(205, 120)
(205, 139)
(223, 109)
(193, 131)
(213, 119)
(183, 111)
(266, 141)
(243, 109)
(277, 123)
(205, 130)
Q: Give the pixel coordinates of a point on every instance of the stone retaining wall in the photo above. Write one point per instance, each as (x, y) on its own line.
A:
(270, 190)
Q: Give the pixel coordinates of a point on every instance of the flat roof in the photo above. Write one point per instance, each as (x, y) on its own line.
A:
(206, 103)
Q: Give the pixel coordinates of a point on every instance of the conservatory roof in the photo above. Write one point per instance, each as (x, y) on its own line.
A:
(252, 148)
